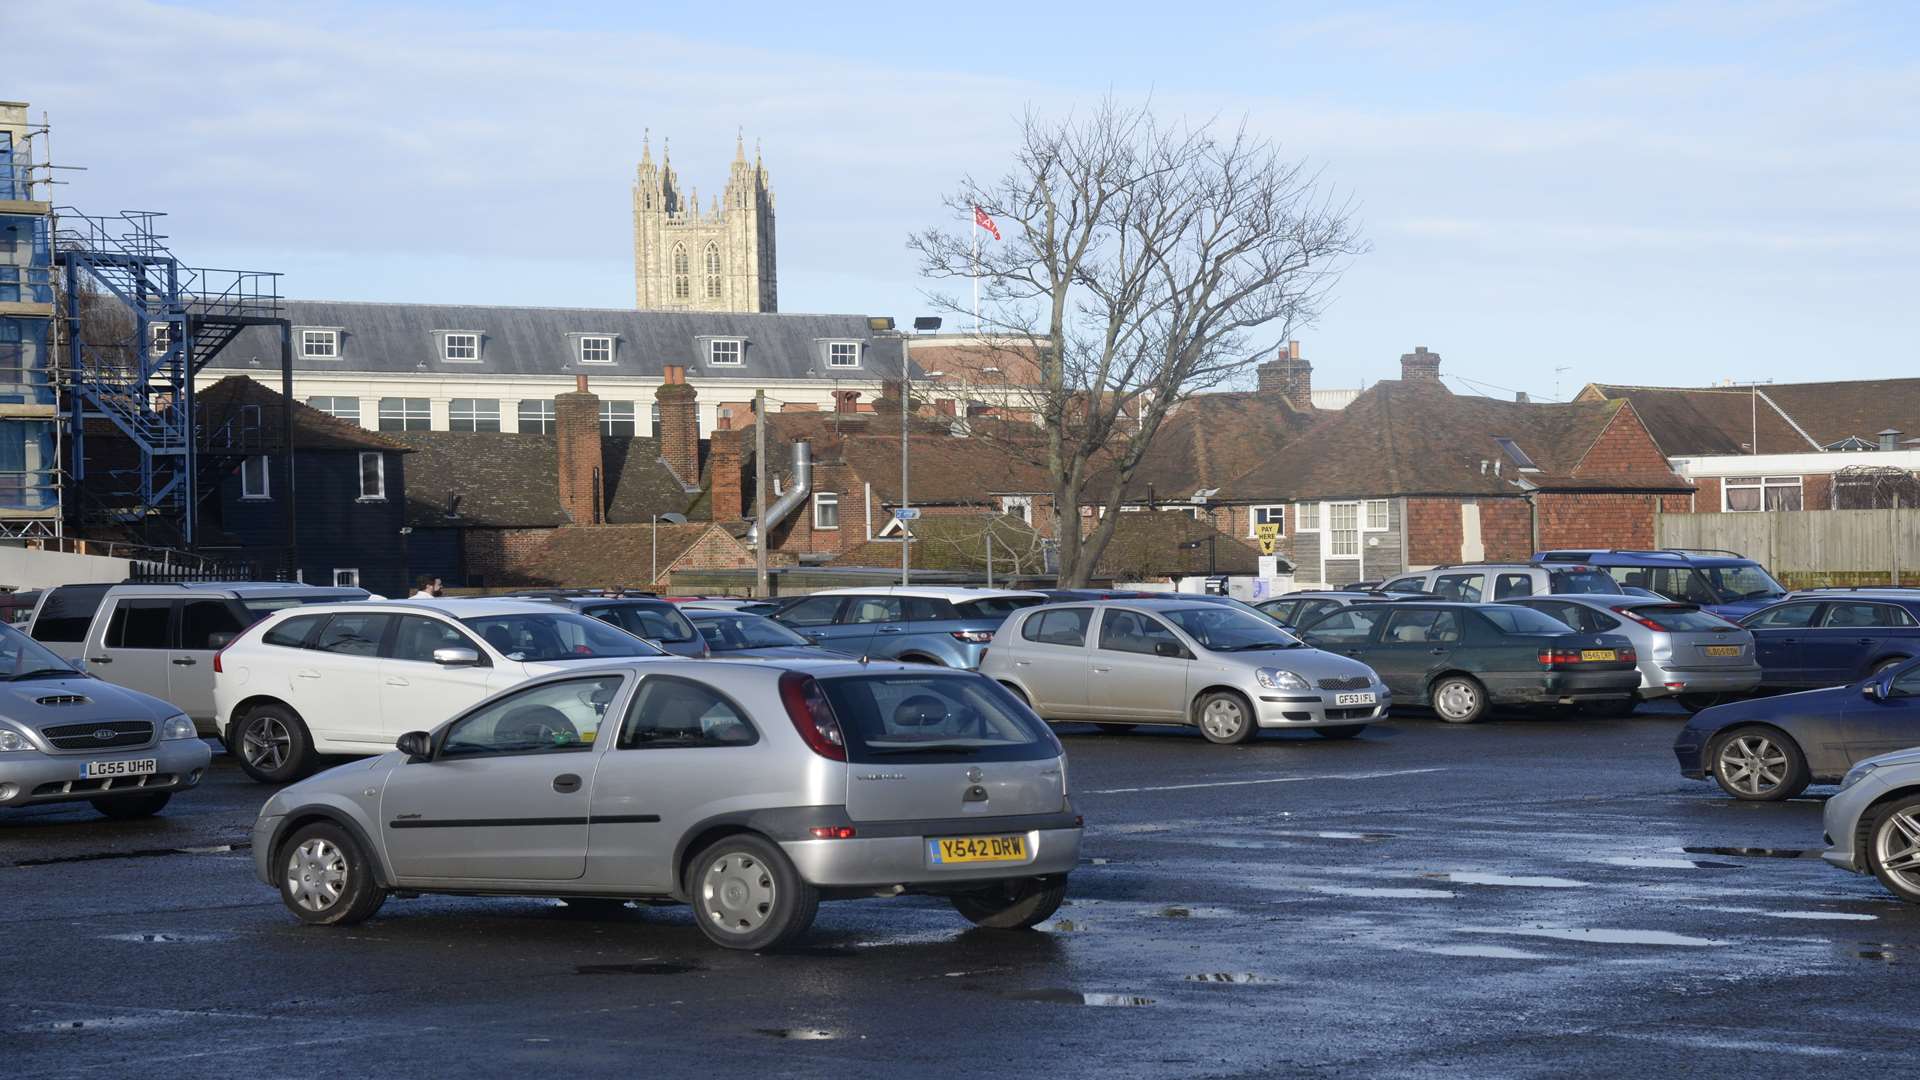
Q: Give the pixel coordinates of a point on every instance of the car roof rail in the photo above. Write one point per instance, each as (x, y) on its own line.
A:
(1705, 551)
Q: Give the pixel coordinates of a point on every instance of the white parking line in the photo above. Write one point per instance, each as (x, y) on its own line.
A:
(1269, 780)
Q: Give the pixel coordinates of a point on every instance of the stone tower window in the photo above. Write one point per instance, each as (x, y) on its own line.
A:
(682, 278)
(713, 271)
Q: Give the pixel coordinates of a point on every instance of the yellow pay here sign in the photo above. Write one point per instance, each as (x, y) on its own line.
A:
(1268, 535)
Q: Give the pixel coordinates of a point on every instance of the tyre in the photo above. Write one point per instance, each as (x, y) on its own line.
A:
(1695, 702)
(1343, 731)
(327, 878)
(1021, 904)
(747, 895)
(1759, 764)
(1613, 708)
(1886, 665)
(1893, 848)
(274, 745)
(129, 807)
(1459, 699)
(1115, 729)
(1224, 717)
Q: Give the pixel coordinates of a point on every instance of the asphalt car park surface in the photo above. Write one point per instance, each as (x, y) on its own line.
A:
(1522, 897)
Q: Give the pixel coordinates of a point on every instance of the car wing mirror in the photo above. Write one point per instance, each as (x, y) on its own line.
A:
(417, 745)
(1877, 689)
(456, 657)
(219, 640)
(1169, 649)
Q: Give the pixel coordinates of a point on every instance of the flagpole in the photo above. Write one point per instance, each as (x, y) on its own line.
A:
(976, 271)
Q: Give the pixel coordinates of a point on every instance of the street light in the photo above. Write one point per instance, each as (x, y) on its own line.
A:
(927, 322)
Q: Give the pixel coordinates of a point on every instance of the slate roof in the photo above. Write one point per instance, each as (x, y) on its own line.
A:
(1410, 438)
(507, 480)
(243, 414)
(1689, 421)
(398, 339)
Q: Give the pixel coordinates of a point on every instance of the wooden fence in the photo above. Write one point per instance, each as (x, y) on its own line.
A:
(1805, 548)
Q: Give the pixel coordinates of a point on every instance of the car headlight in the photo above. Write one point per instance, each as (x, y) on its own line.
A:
(178, 726)
(1858, 773)
(1277, 679)
(11, 740)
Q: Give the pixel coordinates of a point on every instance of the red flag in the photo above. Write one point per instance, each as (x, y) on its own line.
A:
(981, 219)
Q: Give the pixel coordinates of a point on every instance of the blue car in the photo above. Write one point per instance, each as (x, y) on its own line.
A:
(1820, 639)
(1724, 582)
(1768, 749)
(932, 625)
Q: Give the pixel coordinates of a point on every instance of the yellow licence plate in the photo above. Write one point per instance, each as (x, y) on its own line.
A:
(970, 849)
(1598, 654)
(1722, 650)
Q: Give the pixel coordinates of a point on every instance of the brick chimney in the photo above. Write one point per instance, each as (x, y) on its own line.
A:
(846, 401)
(725, 457)
(576, 425)
(1289, 375)
(679, 428)
(1420, 365)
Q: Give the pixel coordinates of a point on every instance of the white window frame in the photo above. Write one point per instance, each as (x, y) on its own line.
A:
(544, 421)
(833, 348)
(821, 501)
(247, 491)
(319, 344)
(1366, 516)
(405, 414)
(609, 416)
(329, 408)
(1760, 485)
(1020, 506)
(474, 415)
(1306, 517)
(157, 336)
(1333, 533)
(737, 347)
(346, 577)
(596, 341)
(1278, 512)
(379, 475)
(471, 338)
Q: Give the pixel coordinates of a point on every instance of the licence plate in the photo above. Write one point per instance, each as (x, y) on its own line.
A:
(1598, 654)
(1355, 699)
(972, 849)
(140, 767)
(1722, 650)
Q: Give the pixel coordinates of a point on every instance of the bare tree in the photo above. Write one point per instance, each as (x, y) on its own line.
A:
(1139, 262)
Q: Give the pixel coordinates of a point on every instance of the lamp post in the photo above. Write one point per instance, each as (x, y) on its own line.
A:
(924, 322)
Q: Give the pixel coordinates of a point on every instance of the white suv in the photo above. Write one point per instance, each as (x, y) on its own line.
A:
(351, 678)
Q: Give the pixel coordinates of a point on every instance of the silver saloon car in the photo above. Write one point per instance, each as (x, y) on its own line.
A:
(1118, 663)
(1873, 823)
(68, 737)
(1686, 652)
(751, 790)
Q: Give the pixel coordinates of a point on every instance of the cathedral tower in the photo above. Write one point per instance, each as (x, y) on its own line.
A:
(720, 258)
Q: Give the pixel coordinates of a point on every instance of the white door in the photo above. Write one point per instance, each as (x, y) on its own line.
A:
(334, 684)
(132, 645)
(417, 694)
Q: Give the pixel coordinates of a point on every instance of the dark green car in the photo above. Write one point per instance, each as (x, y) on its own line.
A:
(1462, 658)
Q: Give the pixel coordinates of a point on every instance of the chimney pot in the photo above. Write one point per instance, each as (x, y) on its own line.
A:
(580, 384)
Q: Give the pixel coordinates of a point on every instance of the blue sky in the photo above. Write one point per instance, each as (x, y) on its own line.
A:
(1668, 193)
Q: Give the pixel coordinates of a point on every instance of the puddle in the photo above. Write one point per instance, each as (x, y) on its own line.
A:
(1062, 996)
(1484, 952)
(100, 1023)
(154, 938)
(1756, 852)
(1062, 926)
(137, 853)
(1241, 979)
(1334, 834)
(1886, 956)
(644, 968)
(1818, 916)
(1383, 892)
(1511, 881)
(1136, 829)
(803, 1034)
(1660, 862)
(1597, 936)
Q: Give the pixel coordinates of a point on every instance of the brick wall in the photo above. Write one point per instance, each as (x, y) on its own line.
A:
(576, 419)
(1433, 531)
(1624, 449)
(1706, 498)
(495, 556)
(1623, 521)
(1816, 492)
(716, 550)
(679, 430)
(725, 465)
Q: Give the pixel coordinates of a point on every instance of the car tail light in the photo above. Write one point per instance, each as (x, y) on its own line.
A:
(1633, 616)
(1629, 656)
(974, 637)
(832, 832)
(1563, 657)
(812, 715)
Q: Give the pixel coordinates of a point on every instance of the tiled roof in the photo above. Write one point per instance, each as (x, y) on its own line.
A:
(509, 480)
(1688, 421)
(958, 542)
(1209, 440)
(245, 414)
(607, 555)
(1148, 545)
(1411, 438)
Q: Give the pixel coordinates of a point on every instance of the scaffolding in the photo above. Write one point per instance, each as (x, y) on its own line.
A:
(30, 495)
(139, 327)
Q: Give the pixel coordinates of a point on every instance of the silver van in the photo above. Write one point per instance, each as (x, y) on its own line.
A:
(750, 790)
(160, 639)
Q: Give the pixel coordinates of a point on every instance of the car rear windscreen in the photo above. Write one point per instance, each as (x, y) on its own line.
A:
(930, 719)
(1584, 581)
(1519, 620)
(1679, 618)
(995, 607)
(67, 612)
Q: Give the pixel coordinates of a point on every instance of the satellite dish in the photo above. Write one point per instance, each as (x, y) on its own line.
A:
(674, 519)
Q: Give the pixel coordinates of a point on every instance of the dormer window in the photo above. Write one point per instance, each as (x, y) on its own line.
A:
(320, 344)
(843, 354)
(724, 352)
(458, 346)
(596, 349)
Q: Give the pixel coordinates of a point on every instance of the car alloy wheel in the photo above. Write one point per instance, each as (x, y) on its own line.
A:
(265, 743)
(316, 875)
(1895, 855)
(1751, 764)
(737, 893)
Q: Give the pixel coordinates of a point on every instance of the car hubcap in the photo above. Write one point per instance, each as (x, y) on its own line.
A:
(266, 744)
(317, 875)
(1456, 699)
(1752, 764)
(1897, 847)
(736, 893)
(1222, 718)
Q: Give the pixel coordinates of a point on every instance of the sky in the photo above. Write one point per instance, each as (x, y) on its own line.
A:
(1663, 193)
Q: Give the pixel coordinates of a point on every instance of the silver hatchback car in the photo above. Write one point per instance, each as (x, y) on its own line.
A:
(751, 790)
(1686, 653)
(1231, 673)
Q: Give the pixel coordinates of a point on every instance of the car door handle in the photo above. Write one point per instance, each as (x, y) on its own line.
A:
(185, 661)
(1101, 670)
(1863, 641)
(1437, 652)
(1789, 641)
(306, 674)
(99, 659)
(1023, 663)
(890, 630)
(566, 783)
(395, 680)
